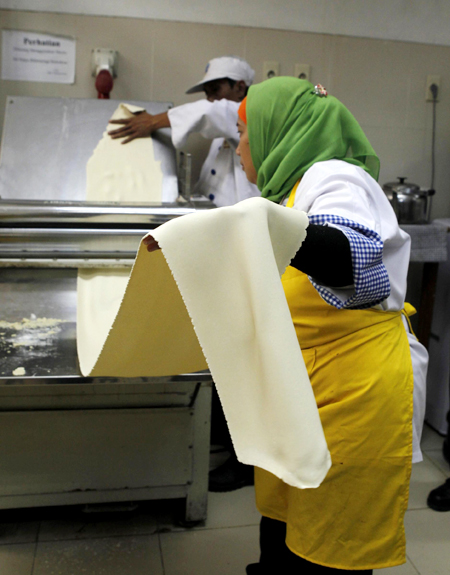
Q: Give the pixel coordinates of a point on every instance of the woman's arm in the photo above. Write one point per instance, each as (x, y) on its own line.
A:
(325, 255)
(344, 197)
(371, 284)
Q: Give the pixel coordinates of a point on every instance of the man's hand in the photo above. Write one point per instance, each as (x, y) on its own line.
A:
(142, 125)
(151, 243)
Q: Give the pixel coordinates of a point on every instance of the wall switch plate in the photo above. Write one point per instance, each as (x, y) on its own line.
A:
(270, 70)
(302, 71)
(432, 80)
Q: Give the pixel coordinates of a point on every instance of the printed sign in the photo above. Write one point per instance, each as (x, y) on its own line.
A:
(34, 57)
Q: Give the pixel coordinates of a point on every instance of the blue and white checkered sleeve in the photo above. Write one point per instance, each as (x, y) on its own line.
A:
(370, 277)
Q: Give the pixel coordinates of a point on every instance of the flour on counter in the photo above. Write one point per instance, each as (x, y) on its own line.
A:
(30, 332)
(33, 323)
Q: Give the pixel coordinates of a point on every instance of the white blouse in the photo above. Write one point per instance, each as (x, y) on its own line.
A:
(335, 189)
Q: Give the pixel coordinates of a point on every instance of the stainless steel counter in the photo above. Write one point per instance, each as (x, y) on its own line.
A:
(69, 439)
(428, 246)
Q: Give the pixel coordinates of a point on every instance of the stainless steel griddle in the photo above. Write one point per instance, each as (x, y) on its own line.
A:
(69, 439)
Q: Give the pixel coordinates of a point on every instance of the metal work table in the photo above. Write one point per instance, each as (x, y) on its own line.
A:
(67, 439)
(429, 246)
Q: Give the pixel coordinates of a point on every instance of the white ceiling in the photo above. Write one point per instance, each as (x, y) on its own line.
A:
(426, 21)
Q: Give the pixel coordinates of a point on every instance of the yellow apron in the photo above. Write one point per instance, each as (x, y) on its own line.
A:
(360, 369)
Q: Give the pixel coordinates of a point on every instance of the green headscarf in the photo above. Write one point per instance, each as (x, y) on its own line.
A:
(290, 128)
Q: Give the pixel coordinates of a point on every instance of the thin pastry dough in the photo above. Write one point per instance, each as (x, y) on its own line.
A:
(214, 292)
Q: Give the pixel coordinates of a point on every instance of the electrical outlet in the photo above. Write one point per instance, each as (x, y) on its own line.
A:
(430, 81)
(302, 71)
(270, 70)
(104, 58)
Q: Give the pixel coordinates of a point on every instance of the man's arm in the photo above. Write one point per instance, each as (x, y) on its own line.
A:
(142, 125)
(210, 119)
(216, 119)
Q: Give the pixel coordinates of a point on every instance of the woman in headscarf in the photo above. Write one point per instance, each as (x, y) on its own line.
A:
(345, 289)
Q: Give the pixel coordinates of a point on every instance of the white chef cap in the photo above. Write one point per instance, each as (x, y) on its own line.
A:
(231, 67)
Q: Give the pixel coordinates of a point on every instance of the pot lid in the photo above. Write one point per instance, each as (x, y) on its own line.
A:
(402, 187)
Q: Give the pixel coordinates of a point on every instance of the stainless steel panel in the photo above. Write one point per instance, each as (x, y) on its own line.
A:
(95, 449)
(197, 497)
(47, 142)
(52, 213)
(95, 497)
(72, 456)
(70, 242)
(24, 394)
(60, 263)
(79, 234)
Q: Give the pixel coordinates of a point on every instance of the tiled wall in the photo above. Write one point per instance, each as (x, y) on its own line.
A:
(382, 82)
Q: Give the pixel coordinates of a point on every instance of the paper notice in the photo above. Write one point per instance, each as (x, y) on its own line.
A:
(34, 57)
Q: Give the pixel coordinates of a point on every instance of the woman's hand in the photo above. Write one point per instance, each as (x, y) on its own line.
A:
(142, 125)
(151, 243)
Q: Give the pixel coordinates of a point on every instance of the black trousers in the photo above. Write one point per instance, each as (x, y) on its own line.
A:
(446, 446)
(277, 559)
(219, 428)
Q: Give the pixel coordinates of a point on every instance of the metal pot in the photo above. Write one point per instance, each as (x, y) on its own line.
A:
(411, 204)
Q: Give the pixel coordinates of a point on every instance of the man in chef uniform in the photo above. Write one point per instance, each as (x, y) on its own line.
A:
(225, 84)
(222, 180)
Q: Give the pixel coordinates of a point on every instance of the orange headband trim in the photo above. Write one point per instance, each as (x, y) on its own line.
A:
(242, 112)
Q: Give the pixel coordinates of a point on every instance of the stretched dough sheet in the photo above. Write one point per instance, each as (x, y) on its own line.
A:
(124, 173)
(214, 292)
(115, 172)
(152, 333)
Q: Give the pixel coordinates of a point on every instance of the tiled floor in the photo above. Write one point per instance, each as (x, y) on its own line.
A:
(148, 541)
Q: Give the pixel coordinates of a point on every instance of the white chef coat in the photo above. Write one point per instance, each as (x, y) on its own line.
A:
(337, 188)
(222, 178)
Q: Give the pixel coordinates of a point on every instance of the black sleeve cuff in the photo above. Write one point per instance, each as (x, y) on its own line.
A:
(325, 255)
